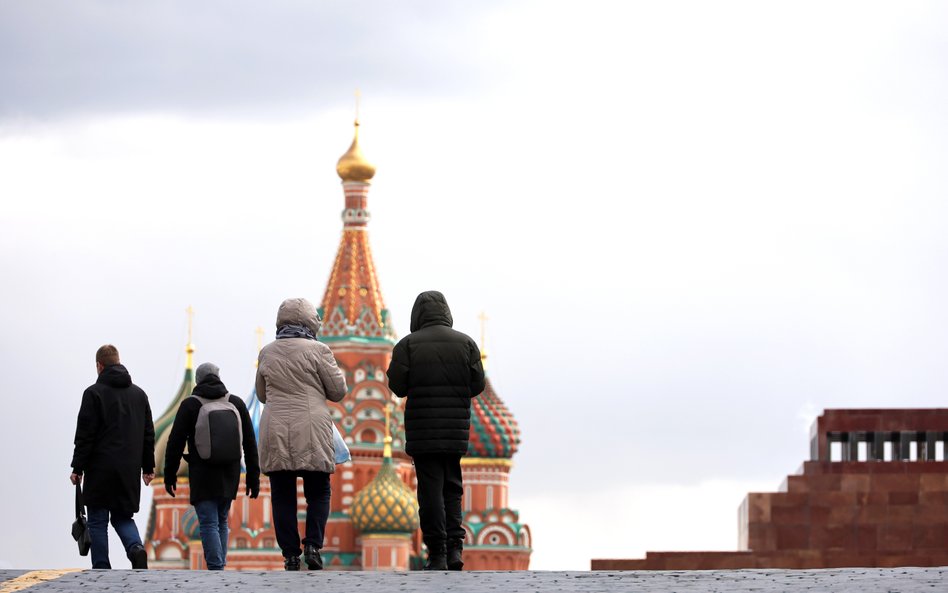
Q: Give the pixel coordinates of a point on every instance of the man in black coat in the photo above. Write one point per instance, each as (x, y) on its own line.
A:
(439, 370)
(114, 445)
(213, 485)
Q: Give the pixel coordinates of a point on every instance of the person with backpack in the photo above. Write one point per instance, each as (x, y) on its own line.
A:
(439, 370)
(114, 449)
(296, 375)
(216, 426)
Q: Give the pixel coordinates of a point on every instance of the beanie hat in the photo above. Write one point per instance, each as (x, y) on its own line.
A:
(208, 368)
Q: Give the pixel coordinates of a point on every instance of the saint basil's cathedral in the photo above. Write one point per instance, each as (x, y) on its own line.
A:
(373, 521)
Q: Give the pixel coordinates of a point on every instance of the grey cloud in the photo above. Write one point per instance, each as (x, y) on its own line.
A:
(65, 58)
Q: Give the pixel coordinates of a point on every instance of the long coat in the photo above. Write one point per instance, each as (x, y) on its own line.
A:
(295, 377)
(439, 370)
(115, 442)
(210, 481)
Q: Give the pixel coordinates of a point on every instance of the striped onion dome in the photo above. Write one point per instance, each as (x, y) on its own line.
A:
(190, 526)
(386, 504)
(494, 431)
(164, 422)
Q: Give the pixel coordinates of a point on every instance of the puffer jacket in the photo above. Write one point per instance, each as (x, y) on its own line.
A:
(295, 377)
(439, 370)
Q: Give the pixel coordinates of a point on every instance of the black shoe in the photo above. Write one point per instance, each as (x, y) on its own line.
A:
(437, 563)
(454, 559)
(291, 563)
(138, 556)
(311, 555)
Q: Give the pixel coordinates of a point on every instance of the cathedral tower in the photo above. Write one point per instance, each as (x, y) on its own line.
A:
(495, 539)
(358, 329)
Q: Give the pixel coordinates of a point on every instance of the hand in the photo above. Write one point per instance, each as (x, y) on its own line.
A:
(75, 478)
(147, 478)
(170, 487)
(253, 490)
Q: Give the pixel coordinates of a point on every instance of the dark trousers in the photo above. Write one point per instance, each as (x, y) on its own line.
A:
(125, 527)
(439, 501)
(317, 491)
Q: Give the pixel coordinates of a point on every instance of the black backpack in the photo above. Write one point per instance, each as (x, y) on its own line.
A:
(218, 434)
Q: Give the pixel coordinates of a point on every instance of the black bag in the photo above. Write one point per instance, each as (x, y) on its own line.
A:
(80, 528)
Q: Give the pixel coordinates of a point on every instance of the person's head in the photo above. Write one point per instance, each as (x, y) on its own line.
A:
(205, 370)
(106, 356)
(299, 312)
(430, 308)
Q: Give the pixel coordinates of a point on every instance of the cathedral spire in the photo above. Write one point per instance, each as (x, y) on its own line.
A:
(387, 449)
(352, 165)
(483, 319)
(164, 422)
(352, 306)
(189, 349)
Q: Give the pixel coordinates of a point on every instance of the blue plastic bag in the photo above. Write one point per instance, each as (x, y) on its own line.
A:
(342, 451)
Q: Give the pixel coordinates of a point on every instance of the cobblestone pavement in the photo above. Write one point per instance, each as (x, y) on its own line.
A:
(902, 580)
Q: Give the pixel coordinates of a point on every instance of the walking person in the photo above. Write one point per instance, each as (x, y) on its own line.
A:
(114, 448)
(296, 374)
(216, 426)
(439, 370)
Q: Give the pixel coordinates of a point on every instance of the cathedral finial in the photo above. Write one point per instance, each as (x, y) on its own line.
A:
(387, 450)
(189, 362)
(259, 331)
(358, 97)
(483, 317)
(353, 166)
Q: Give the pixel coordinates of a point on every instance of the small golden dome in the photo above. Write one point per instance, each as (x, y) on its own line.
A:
(386, 504)
(352, 166)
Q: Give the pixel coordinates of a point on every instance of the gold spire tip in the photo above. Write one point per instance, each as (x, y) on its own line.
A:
(483, 318)
(189, 349)
(387, 449)
(259, 331)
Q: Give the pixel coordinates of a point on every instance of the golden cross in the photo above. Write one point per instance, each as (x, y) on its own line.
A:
(387, 448)
(190, 312)
(358, 96)
(259, 332)
(483, 317)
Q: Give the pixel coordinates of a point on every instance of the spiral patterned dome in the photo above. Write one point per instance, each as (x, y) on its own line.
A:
(494, 431)
(386, 504)
(190, 526)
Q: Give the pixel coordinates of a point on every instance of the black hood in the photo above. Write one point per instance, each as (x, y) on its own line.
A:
(430, 309)
(210, 387)
(115, 375)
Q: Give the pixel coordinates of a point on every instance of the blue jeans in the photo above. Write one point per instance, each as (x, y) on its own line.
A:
(212, 515)
(99, 533)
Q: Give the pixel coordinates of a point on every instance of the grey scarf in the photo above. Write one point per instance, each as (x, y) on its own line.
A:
(295, 331)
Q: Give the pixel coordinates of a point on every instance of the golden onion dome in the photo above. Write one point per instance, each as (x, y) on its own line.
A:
(386, 504)
(352, 166)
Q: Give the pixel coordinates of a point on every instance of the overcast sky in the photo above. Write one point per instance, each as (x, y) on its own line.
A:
(693, 226)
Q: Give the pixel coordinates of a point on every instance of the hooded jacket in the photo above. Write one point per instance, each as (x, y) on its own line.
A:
(295, 377)
(115, 442)
(439, 370)
(209, 481)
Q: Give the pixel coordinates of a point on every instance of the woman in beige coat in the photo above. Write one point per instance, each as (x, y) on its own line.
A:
(295, 376)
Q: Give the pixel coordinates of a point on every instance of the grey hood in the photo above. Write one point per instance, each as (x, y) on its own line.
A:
(299, 312)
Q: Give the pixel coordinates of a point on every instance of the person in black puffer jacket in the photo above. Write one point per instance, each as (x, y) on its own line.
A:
(439, 370)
